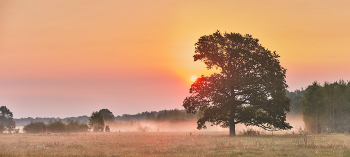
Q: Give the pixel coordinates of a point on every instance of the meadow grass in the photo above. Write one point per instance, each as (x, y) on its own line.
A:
(172, 144)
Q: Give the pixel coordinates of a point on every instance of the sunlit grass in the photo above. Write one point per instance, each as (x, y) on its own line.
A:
(172, 144)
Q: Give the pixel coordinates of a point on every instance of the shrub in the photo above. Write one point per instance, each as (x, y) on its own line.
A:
(34, 127)
(107, 129)
(57, 126)
(76, 126)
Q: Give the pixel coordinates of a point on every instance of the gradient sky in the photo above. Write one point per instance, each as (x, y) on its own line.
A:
(70, 58)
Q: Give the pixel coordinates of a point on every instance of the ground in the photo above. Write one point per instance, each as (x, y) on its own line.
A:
(172, 144)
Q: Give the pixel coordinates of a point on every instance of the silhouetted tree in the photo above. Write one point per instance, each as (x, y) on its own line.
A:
(6, 119)
(313, 108)
(249, 89)
(107, 115)
(96, 122)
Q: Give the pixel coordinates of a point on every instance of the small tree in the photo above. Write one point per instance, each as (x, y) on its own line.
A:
(96, 122)
(6, 119)
(107, 129)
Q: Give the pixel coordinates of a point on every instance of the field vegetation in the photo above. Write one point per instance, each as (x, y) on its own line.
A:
(173, 144)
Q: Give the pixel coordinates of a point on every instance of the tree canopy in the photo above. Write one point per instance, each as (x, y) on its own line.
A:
(107, 115)
(249, 89)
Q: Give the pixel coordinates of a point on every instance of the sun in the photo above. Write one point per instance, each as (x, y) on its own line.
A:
(193, 78)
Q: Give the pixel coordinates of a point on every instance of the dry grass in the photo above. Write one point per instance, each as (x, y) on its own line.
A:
(172, 144)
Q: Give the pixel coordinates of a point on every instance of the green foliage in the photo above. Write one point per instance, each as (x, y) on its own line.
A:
(107, 115)
(2, 128)
(249, 89)
(295, 101)
(313, 107)
(6, 119)
(57, 127)
(34, 127)
(326, 109)
(96, 122)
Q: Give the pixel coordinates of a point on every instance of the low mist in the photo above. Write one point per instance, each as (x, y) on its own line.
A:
(191, 126)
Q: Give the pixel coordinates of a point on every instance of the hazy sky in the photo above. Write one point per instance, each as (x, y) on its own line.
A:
(70, 58)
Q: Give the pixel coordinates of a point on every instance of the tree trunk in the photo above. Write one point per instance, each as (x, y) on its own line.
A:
(232, 122)
(316, 121)
(232, 115)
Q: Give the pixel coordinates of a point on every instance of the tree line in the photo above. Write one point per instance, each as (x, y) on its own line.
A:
(25, 121)
(163, 115)
(325, 108)
(96, 124)
(56, 127)
(100, 121)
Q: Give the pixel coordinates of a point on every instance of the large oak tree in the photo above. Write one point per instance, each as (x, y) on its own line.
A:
(249, 89)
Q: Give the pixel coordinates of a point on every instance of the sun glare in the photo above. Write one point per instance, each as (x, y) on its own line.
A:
(193, 78)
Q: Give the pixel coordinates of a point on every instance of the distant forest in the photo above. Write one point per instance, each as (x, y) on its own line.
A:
(324, 108)
(164, 115)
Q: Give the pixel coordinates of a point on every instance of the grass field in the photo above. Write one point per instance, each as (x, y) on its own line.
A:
(172, 144)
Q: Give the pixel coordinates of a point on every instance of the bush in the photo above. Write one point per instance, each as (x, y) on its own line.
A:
(76, 126)
(36, 127)
(56, 126)
(107, 129)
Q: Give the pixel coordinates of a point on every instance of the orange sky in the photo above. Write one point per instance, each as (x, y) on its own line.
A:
(134, 56)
